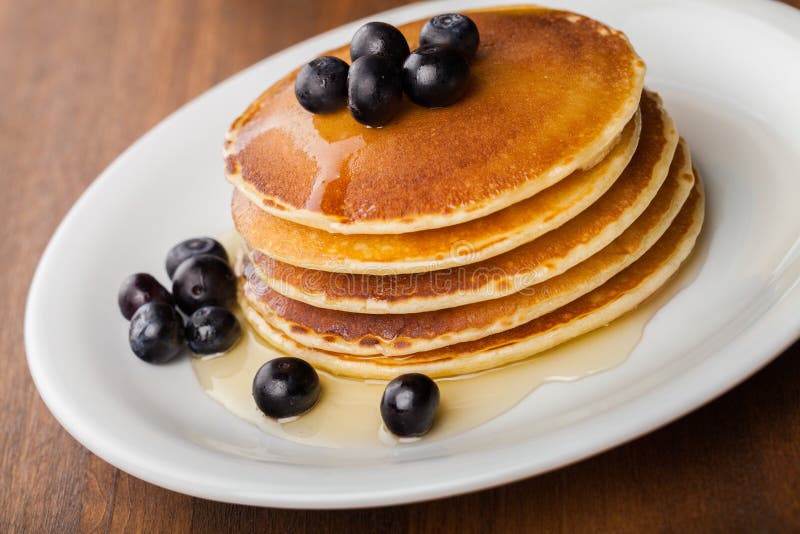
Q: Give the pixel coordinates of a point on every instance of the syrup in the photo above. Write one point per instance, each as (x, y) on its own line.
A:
(347, 413)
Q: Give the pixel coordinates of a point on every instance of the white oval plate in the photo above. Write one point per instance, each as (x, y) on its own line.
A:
(731, 77)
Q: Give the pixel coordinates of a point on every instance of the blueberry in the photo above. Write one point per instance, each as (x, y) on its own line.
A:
(212, 330)
(435, 76)
(374, 90)
(156, 332)
(379, 39)
(409, 405)
(139, 289)
(286, 387)
(192, 247)
(453, 30)
(321, 86)
(203, 280)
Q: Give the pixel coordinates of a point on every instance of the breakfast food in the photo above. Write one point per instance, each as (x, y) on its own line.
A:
(451, 30)
(379, 39)
(193, 247)
(203, 280)
(455, 241)
(469, 191)
(408, 405)
(202, 283)
(139, 289)
(550, 93)
(212, 330)
(374, 94)
(286, 387)
(156, 332)
(440, 248)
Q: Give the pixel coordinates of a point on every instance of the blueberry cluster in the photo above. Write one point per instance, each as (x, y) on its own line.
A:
(383, 68)
(203, 288)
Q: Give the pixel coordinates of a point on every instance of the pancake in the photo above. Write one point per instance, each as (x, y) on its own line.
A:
(439, 248)
(397, 335)
(534, 262)
(549, 93)
(622, 293)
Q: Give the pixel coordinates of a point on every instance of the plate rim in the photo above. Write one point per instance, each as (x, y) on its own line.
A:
(624, 428)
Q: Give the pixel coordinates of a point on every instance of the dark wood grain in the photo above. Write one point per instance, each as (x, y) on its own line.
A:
(79, 81)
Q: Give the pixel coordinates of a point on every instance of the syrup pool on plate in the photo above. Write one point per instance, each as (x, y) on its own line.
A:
(348, 411)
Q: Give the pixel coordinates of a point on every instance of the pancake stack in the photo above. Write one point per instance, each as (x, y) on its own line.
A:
(553, 198)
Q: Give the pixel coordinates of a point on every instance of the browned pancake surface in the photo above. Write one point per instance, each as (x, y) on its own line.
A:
(546, 87)
(437, 248)
(533, 262)
(406, 333)
(620, 294)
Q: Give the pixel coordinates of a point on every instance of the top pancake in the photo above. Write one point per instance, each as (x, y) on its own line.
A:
(438, 248)
(549, 93)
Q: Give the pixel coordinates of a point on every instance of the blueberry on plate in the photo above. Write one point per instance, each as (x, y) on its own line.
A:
(212, 330)
(409, 404)
(286, 387)
(139, 289)
(203, 280)
(374, 90)
(156, 333)
(435, 76)
(453, 30)
(321, 86)
(379, 39)
(192, 247)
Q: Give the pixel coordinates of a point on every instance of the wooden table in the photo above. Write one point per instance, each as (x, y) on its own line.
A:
(79, 81)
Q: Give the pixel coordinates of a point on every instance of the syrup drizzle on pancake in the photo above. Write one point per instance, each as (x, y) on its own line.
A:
(549, 93)
(553, 97)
